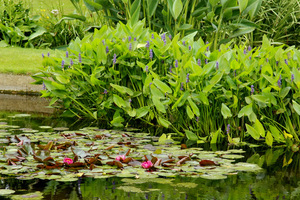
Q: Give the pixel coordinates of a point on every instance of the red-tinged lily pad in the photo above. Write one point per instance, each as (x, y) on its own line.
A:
(208, 163)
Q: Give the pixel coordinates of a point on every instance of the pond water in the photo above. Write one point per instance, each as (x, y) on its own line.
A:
(279, 177)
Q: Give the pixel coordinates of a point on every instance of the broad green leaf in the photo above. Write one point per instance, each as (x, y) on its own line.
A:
(158, 104)
(260, 98)
(189, 112)
(119, 101)
(162, 86)
(276, 134)
(283, 92)
(242, 5)
(151, 6)
(74, 16)
(252, 132)
(181, 100)
(226, 112)
(191, 136)
(246, 110)
(213, 3)
(40, 31)
(213, 82)
(194, 107)
(241, 31)
(269, 139)
(259, 128)
(177, 8)
(185, 27)
(296, 106)
(253, 7)
(156, 93)
(165, 123)
(141, 112)
(215, 136)
(92, 6)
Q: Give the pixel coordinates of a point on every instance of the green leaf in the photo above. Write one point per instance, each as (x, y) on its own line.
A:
(246, 110)
(122, 89)
(260, 98)
(162, 86)
(158, 104)
(242, 5)
(213, 3)
(92, 6)
(141, 112)
(189, 112)
(252, 132)
(296, 106)
(259, 128)
(191, 136)
(40, 31)
(194, 107)
(74, 16)
(241, 31)
(269, 139)
(135, 11)
(226, 112)
(214, 136)
(283, 92)
(165, 123)
(253, 7)
(185, 27)
(177, 8)
(276, 134)
(156, 93)
(151, 7)
(119, 101)
(181, 100)
(213, 82)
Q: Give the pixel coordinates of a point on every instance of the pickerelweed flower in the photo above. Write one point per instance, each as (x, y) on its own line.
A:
(106, 49)
(79, 58)
(170, 69)
(121, 158)
(43, 55)
(71, 62)
(277, 62)
(170, 37)
(206, 61)
(129, 38)
(147, 68)
(187, 78)
(152, 36)
(130, 47)
(103, 42)
(176, 63)
(252, 89)
(217, 65)
(130, 100)
(228, 128)
(183, 43)
(151, 54)
(105, 91)
(245, 51)
(199, 62)
(250, 58)
(115, 59)
(44, 86)
(48, 54)
(68, 161)
(279, 81)
(267, 59)
(292, 77)
(286, 61)
(249, 48)
(190, 47)
(146, 165)
(62, 64)
(134, 39)
(181, 87)
(150, 85)
(147, 44)
(67, 54)
(163, 36)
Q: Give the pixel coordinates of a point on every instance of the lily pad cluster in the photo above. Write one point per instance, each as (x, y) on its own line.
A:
(65, 155)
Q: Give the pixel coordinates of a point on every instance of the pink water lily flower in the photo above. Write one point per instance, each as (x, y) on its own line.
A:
(121, 158)
(68, 161)
(146, 165)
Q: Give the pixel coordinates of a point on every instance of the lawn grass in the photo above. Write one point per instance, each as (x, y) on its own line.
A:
(18, 60)
(39, 5)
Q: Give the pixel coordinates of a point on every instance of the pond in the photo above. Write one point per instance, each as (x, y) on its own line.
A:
(236, 172)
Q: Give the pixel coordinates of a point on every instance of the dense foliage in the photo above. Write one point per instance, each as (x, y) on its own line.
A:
(133, 73)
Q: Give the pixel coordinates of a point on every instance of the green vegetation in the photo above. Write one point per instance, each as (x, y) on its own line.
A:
(18, 60)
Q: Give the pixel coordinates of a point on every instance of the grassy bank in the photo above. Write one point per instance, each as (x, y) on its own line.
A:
(18, 60)
(39, 5)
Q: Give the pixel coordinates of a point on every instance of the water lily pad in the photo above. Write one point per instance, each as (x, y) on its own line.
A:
(67, 179)
(236, 151)
(60, 129)
(232, 156)
(45, 127)
(32, 196)
(186, 185)
(6, 191)
(22, 115)
(130, 189)
(213, 176)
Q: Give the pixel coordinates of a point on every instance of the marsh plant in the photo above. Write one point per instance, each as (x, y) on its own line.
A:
(233, 93)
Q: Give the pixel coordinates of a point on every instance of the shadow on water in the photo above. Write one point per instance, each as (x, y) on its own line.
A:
(278, 180)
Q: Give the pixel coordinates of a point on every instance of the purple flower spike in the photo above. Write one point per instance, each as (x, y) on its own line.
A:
(190, 47)
(170, 37)
(130, 47)
(176, 63)
(199, 62)
(286, 61)
(279, 81)
(207, 48)
(277, 62)
(245, 51)
(292, 77)
(151, 54)
(71, 62)
(249, 48)
(252, 89)
(115, 59)
(79, 58)
(187, 78)
(130, 100)
(152, 36)
(228, 129)
(250, 58)
(170, 69)
(67, 54)
(267, 60)
(105, 91)
(163, 36)
(48, 54)
(206, 61)
(183, 42)
(150, 84)
(44, 86)
(129, 38)
(147, 44)
(197, 119)
(134, 39)
(43, 55)
(181, 87)
(217, 65)
(106, 49)
(62, 64)
(147, 68)
(103, 42)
